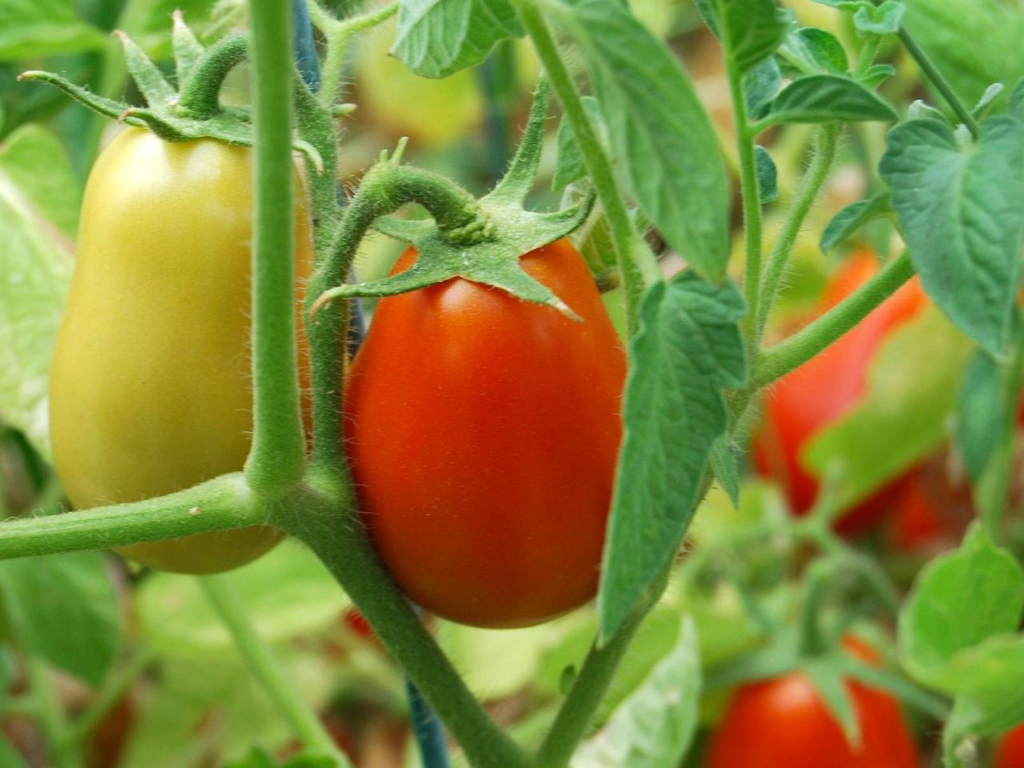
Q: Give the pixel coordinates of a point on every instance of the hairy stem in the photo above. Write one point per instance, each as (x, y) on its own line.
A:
(932, 72)
(278, 456)
(340, 542)
(636, 264)
(217, 505)
(751, 195)
(790, 354)
(261, 661)
(821, 166)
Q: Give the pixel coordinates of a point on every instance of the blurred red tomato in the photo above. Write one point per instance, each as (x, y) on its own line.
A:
(809, 399)
(1010, 751)
(783, 723)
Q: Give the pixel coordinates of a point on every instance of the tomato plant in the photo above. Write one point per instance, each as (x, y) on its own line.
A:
(809, 399)
(483, 433)
(784, 722)
(150, 391)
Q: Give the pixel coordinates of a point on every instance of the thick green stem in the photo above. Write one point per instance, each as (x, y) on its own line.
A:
(636, 263)
(200, 94)
(384, 189)
(341, 543)
(751, 194)
(217, 505)
(789, 355)
(278, 456)
(261, 661)
(577, 711)
(817, 174)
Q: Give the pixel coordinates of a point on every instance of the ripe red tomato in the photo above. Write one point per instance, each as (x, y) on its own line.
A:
(483, 433)
(1010, 751)
(782, 723)
(819, 393)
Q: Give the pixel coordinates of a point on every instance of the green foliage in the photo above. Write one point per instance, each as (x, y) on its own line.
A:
(63, 609)
(958, 203)
(287, 592)
(982, 409)
(687, 350)
(827, 99)
(39, 200)
(437, 39)
(654, 727)
(852, 218)
(660, 134)
(912, 389)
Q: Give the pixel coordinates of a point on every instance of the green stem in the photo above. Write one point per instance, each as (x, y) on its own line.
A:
(637, 265)
(277, 460)
(113, 689)
(927, 66)
(264, 665)
(338, 33)
(994, 492)
(385, 188)
(867, 55)
(790, 354)
(220, 504)
(821, 166)
(342, 545)
(751, 195)
(200, 94)
(577, 711)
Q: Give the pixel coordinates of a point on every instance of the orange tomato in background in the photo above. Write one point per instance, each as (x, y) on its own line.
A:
(806, 401)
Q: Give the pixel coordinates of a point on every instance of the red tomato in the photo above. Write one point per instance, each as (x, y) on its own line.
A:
(483, 433)
(1010, 752)
(783, 723)
(932, 511)
(822, 391)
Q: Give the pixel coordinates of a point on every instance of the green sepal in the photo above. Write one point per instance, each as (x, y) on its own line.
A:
(193, 111)
(487, 248)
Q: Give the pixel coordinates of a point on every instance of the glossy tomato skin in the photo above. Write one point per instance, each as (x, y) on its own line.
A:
(822, 391)
(783, 723)
(1010, 750)
(150, 384)
(483, 433)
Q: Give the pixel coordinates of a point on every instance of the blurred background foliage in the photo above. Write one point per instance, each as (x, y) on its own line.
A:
(172, 692)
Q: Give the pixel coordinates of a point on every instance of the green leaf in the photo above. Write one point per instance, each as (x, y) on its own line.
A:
(982, 411)
(761, 84)
(827, 675)
(688, 349)
(751, 30)
(571, 167)
(988, 100)
(65, 611)
(912, 388)
(654, 727)
(767, 175)
(437, 38)
(724, 465)
(815, 51)
(34, 28)
(876, 75)
(39, 199)
(848, 221)
(260, 758)
(994, 30)
(961, 213)
(287, 593)
(827, 99)
(960, 601)
(884, 19)
(1017, 102)
(920, 110)
(660, 134)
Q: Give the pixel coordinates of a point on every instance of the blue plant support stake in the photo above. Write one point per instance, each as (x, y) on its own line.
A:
(426, 726)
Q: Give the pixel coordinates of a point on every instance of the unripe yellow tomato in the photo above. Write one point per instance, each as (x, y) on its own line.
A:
(150, 389)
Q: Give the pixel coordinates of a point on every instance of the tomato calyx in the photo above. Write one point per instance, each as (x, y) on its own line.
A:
(193, 110)
(478, 240)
